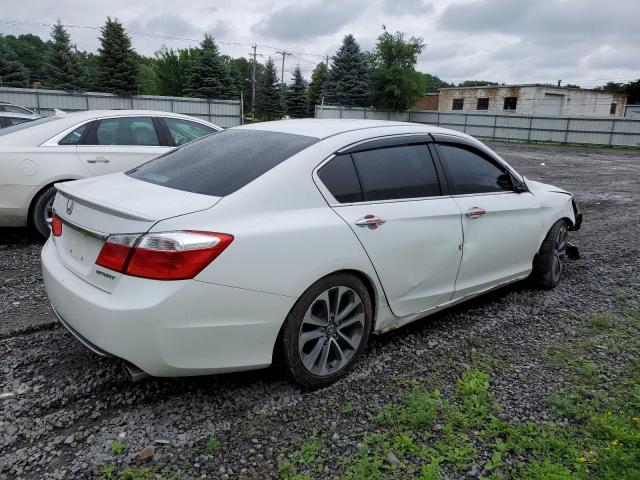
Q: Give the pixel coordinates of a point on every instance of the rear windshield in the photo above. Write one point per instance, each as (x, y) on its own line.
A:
(22, 126)
(223, 162)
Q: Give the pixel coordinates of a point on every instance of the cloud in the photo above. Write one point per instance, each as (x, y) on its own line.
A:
(407, 7)
(173, 26)
(316, 19)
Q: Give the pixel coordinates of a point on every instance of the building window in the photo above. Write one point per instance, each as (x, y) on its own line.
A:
(458, 103)
(613, 108)
(510, 103)
(483, 104)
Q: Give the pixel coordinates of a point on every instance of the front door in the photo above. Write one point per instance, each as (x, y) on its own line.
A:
(409, 229)
(120, 143)
(501, 227)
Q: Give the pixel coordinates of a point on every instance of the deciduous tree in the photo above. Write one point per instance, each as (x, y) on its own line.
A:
(395, 84)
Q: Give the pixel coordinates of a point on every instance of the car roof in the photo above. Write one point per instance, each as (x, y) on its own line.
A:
(324, 128)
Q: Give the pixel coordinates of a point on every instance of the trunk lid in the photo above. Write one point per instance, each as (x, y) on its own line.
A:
(93, 208)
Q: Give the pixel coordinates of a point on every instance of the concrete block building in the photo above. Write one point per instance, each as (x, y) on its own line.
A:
(532, 99)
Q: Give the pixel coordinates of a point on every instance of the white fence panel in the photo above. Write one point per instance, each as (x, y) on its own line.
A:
(581, 130)
(225, 113)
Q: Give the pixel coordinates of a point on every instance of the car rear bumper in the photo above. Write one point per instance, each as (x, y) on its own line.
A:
(167, 329)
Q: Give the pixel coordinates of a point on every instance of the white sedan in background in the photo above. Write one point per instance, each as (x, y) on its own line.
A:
(293, 239)
(35, 155)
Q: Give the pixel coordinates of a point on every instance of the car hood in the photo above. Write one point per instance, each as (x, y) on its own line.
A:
(544, 187)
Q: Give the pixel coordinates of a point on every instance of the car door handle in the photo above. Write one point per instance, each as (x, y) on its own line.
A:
(98, 160)
(475, 212)
(370, 221)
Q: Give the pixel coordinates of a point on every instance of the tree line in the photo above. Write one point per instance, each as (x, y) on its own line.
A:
(384, 78)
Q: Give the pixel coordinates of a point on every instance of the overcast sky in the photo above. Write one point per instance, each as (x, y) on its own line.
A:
(587, 42)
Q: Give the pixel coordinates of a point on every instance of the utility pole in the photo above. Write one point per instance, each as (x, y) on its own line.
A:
(253, 80)
(284, 53)
(327, 62)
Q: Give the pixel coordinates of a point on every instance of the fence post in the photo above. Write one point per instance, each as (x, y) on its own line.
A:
(388, 115)
(495, 121)
(613, 128)
(86, 98)
(172, 106)
(466, 117)
(38, 102)
(566, 131)
(131, 101)
(340, 110)
(438, 119)
(529, 132)
(364, 113)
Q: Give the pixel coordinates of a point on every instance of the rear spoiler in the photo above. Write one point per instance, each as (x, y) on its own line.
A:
(101, 205)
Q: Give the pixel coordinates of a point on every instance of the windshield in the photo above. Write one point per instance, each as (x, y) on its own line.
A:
(223, 162)
(22, 126)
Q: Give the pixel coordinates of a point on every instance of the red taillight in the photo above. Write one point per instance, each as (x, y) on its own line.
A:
(163, 256)
(56, 225)
(116, 250)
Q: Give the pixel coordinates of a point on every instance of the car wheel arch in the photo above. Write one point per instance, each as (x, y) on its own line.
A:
(369, 285)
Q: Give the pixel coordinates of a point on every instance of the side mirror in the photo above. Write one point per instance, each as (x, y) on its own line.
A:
(518, 185)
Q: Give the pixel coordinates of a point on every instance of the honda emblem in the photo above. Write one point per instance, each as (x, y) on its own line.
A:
(70, 205)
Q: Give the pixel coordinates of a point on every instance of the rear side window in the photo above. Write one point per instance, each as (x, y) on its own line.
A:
(340, 178)
(223, 162)
(74, 137)
(184, 131)
(468, 171)
(397, 172)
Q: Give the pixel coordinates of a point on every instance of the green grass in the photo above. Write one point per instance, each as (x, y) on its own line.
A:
(110, 472)
(118, 448)
(435, 437)
(213, 445)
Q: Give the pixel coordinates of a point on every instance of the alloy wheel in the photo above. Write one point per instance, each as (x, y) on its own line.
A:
(331, 331)
(559, 252)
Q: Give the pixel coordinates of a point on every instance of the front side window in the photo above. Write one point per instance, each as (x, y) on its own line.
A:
(127, 131)
(397, 173)
(469, 171)
(483, 104)
(184, 131)
(340, 178)
(613, 108)
(457, 104)
(74, 137)
(220, 164)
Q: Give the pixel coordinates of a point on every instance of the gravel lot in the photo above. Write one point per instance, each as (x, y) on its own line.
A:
(61, 407)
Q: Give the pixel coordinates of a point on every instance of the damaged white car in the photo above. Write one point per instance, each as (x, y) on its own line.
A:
(293, 240)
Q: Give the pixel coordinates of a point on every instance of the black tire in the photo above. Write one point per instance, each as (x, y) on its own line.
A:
(39, 212)
(548, 264)
(334, 341)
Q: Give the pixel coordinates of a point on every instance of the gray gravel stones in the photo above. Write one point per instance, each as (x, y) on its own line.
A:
(61, 408)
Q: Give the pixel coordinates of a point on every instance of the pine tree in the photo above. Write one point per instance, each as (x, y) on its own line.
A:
(297, 106)
(12, 72)
(348, 80)
(209, 76)
(316, 87)
(269, 98)
(63, 69)
(117, 60)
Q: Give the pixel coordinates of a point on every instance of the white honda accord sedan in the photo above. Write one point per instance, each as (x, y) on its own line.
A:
(70, 146)
(293, 240)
